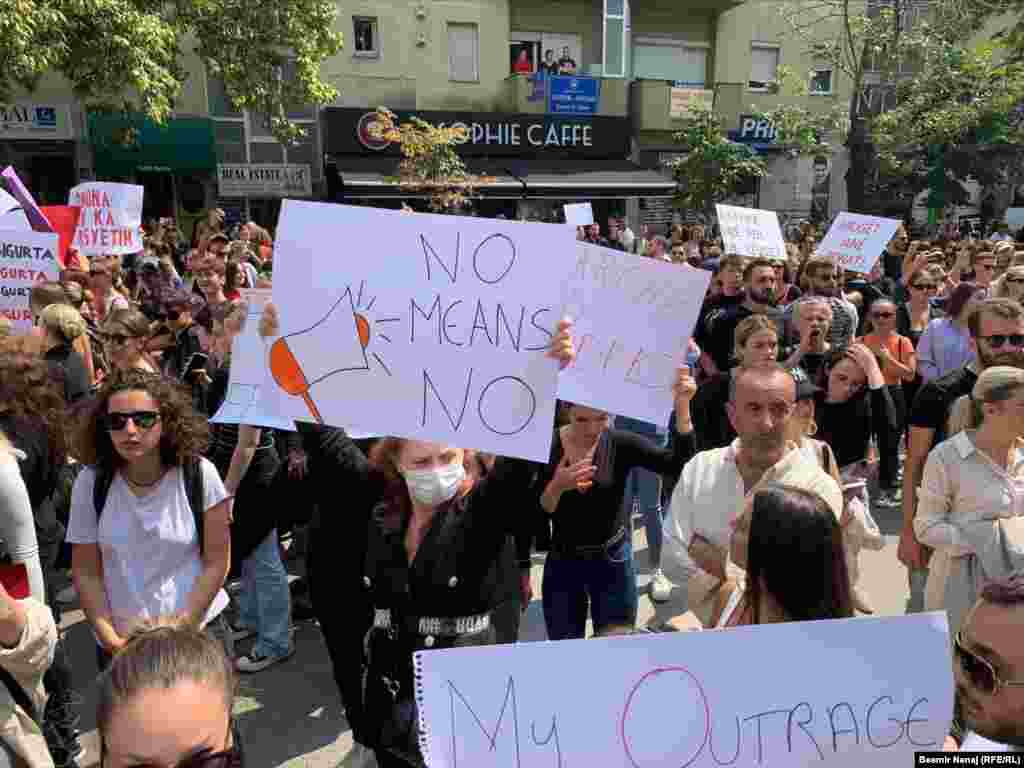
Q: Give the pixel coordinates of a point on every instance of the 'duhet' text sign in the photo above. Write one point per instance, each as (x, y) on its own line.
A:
(834, 694)
(751, 232)
(110, 218)
(26, 258)
(855, 241)
(424, 326)
(632, 319)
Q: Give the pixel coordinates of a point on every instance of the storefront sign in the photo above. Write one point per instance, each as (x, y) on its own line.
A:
(575, 95)
(682, 100)
(753, 128)
(267, 180)
(349, 131)
(35, 121)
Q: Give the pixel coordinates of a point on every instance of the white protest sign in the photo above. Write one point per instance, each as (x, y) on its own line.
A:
(110, 219)
(855, 241)
(249, 375)
(579, 214)
(825, 693)
(424, 326)
(11, 214)
(632, 319)
(26, 258)
(751, 232)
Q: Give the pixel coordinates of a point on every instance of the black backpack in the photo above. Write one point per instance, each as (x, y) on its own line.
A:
(194, 492)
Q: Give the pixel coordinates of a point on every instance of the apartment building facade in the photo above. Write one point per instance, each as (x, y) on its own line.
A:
(564, 100)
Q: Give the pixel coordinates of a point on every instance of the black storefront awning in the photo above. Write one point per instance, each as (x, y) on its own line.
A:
(360, 177)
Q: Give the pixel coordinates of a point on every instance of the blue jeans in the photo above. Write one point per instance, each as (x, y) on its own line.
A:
(644, 488)
(608, 582)
(265, 602)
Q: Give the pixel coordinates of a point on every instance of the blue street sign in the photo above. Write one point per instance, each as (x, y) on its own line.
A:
(573, 95)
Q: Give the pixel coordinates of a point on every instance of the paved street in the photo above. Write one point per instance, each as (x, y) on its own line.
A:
(291, 716)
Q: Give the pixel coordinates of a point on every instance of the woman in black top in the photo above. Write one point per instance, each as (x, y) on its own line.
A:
(584, 482)
(63, 324)
(432, 539)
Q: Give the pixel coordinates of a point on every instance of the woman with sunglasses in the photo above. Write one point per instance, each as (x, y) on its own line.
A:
(166, 700)
(914, 315)
(971, 492)
(946, 343)
(126, 334)
(141, 556)
(898, 362)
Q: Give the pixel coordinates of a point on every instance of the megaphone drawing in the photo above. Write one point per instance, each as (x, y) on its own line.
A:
(300, 360)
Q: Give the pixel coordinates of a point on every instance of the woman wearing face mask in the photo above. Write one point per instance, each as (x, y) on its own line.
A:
(125, 336)
(591, 558)
(432, 538)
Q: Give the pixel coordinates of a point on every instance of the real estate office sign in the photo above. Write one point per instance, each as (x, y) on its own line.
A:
(264, 180)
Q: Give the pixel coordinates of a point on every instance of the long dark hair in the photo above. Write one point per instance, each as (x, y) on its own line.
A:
(796, 553)
(185, 432)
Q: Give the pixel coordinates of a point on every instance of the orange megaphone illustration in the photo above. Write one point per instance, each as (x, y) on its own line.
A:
(300, 360)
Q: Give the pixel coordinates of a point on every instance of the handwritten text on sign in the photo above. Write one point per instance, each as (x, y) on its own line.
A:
(855, 241)
(633, 317)
(438, 332)
(26, 258)
(751, 232)
(110, 218)
(834, 694)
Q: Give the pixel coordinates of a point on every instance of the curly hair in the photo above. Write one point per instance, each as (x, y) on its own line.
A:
(185, 432)
(30, 390)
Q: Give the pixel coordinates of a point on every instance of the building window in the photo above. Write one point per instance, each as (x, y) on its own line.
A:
(365, 35)
(821, 81)
(616, 33)
(657, 58)
(764, 63)
(463, 53)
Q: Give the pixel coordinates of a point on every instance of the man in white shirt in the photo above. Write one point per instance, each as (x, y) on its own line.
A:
(715, 484)
(989, 668)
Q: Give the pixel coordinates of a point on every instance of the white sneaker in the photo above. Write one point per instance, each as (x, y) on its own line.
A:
(661, 587)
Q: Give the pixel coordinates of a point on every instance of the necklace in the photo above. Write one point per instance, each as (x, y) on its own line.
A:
(138, 484)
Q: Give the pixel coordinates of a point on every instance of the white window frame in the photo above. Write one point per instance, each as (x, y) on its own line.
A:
(375, 21)
(755, 44)
(476, 54)
(624, 17)
(831, 81)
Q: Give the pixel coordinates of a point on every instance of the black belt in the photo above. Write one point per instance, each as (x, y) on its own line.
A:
(589, 551)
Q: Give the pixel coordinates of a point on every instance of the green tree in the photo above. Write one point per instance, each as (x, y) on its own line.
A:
(712, 167)
(127, 54)
(430, 162)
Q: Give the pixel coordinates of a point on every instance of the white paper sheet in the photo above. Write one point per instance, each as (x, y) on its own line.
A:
(751, 232)
(110, 219)
(855, 241)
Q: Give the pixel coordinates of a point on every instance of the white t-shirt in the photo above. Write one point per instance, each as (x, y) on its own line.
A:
(149, 545)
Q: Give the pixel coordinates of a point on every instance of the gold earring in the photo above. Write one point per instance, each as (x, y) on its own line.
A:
(812, 428)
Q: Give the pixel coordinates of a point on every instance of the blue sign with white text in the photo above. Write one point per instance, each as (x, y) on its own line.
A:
(573, 95)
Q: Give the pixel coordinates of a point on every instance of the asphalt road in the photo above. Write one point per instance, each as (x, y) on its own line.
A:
(290, 714)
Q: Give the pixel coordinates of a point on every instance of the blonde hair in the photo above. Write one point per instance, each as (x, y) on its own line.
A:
(747, 327)
(995, 385)
(806, 301)
(63, 321)
(999, 288)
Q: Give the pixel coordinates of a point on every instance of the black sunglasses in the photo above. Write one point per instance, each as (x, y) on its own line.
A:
(116, 421)
(996, 340)
(980, 671)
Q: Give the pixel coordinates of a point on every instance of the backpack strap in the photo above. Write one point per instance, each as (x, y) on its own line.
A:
(18, 694)
(102, 480)
(196, 495)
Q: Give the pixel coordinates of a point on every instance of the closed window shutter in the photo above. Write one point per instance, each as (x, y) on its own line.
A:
(463, 45)
(763, 64)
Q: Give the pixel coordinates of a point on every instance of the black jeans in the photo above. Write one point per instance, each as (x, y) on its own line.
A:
(889, 442)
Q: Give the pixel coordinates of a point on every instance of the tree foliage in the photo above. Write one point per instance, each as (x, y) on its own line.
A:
(712, 167)
(430, 162)
(127, 54)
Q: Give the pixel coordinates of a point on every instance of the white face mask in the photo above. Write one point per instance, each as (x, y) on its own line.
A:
(431, 487)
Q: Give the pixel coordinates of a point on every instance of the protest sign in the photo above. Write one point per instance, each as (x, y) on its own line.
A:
(64, 220)
(579, 214)
(836, 694)
(26, 258)
(249, 376)
(632, 319)
(11, 215)
(751, 232)
(425, 326)
(855, 241)
(28, 203)
(110, 218)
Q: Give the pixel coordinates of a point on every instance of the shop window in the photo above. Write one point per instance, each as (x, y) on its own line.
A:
(367, 42)
(764, 64)
(821, 81)
(464, 53)
(657, 58)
